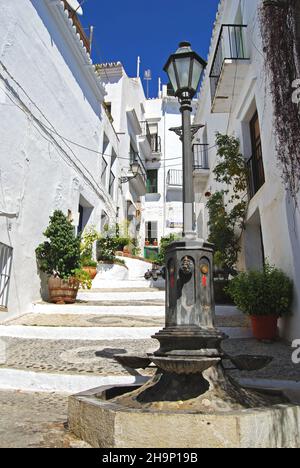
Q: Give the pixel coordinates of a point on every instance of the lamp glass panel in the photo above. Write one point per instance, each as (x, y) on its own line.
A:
(197, 72)
(135, 168)
(172, 76)
(183, 70)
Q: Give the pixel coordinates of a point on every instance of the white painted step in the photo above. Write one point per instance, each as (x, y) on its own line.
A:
(136, 268)
(27, 381)
(98, 334)
(134, 310)
(121, 296)
(77, 333)
(116, 284)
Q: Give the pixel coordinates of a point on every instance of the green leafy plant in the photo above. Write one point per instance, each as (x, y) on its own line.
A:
(226, 218)
(164, 243)
(60, 254)
(87, 262)
(136, 250)
(83, 278)
(88, 238)
(266, 292)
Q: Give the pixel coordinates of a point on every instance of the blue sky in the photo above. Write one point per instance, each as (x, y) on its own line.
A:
(126, 29)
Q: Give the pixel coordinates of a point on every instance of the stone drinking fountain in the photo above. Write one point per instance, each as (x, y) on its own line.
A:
(190, 401)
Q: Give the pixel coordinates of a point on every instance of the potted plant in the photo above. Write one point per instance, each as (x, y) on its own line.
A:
(265, 296)
(147, 242)
(90, 267)
(155, 243)
(59, 257)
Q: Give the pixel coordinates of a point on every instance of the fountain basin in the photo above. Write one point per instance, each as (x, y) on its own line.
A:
(105, 423)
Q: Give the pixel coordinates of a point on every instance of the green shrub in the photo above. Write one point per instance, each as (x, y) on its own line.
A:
(88, 238)
(106, 248)
(122, 242)
(87, 262)
(60, 254)
(164, 243)
(266, 292)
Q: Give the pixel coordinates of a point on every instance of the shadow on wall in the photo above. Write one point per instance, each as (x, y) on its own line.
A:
(44, 291)
(292, 326)
(63, 47)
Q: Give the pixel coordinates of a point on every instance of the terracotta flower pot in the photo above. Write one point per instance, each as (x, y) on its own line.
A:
(63, 291)
(265, 327)
(92, 271)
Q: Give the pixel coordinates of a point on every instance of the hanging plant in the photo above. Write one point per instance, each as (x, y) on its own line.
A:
(281, 47)
(226, 220)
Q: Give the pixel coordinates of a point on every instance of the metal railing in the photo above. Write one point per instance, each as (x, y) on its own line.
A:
(155, 143)
(146, 131)
(230, 46)
(200, 156)
(174, 178)
(135, 157)
(5, 272)
(256, 175)
(78, 25)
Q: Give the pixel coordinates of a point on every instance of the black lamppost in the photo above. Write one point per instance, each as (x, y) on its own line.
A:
(185, 69)
(189, 343)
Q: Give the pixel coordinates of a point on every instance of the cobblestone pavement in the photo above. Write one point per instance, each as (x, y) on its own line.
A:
(72, 357)
(281, 367)
(90, 320)
(69, 320)
(35, 420)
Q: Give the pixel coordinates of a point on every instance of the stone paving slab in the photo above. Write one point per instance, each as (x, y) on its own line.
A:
(35, 420)
(90, 320)
(72, 356)
(281, 368)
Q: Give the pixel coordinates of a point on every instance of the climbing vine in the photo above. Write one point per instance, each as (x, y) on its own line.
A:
(281, 47)
(226, 219)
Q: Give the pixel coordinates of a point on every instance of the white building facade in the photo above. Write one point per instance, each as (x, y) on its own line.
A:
(53, 131)
(236, 100)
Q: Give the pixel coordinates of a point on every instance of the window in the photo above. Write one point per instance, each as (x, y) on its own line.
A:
(133, 154)
(151, 231)
(152, 181)
(256, 165)
(112, 176)
(111, 184)
(103, 173)
(5, 271)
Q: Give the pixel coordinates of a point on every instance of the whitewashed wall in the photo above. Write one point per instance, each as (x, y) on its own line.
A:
(55, 93)
(279, 222)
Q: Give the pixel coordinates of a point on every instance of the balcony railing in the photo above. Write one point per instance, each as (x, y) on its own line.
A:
(5, 271)
(256, 175)
(155, 143)
(146, 131)
(174, 178)
(135, 157)
(78, 26)
(230, 46)
(200, 156)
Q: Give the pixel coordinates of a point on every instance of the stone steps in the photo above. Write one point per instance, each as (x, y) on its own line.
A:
(70, 348)
(126, 296)
(136, 309)
(106, 319)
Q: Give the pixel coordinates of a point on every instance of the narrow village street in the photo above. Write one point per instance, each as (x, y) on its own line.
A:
(149, 226)
(62, 350)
